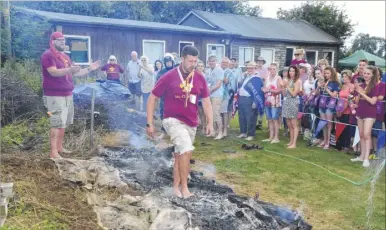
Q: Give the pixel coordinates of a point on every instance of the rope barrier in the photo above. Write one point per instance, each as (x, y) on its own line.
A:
(319, 166)
(337, 121)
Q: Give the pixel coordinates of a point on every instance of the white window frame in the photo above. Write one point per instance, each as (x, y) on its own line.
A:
(273, 54)
(316, 55)
(88, 47)
(332, 56)
(147, 40)
(213, 44)
(253, 54)
(179, 45)
(293, 52)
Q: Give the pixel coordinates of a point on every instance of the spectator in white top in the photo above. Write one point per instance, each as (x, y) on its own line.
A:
(309, 83)
(134, 82)
(215, 78)
(146, 74)
(272, 90)
(236, 70)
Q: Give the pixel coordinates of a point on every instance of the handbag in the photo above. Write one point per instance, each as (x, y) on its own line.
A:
(332, 103)
(378, 106)
(341, 105)
(315, 101)
(323, 102)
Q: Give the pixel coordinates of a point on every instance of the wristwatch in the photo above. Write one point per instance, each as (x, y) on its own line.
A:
(148, 125)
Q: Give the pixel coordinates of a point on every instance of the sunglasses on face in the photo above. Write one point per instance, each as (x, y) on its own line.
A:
(112, 60)
(297, 54)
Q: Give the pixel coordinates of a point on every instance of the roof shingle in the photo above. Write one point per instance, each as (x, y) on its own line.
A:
(268, 28)
(81, 19)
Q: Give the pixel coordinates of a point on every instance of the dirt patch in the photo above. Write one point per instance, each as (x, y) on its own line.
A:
(42, 200)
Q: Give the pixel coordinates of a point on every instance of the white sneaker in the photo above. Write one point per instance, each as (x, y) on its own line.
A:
(266, 140)
(242, 135)
(249, 138)
(219, 136)
(366, 163)
(357, 159)
(275, 141)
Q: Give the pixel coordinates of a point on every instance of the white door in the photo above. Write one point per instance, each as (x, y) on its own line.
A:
(154, 50)
(268, 55)
(218, 50)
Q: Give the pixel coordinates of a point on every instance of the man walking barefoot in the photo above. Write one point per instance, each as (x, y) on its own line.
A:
(58, 71)
(181, 89)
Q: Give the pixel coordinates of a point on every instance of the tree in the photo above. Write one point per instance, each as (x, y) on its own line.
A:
(371, 44)
(157, 11)
(327, 17)
(29, 38)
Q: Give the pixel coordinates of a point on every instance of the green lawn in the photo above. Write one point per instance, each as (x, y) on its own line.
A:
(328, 202)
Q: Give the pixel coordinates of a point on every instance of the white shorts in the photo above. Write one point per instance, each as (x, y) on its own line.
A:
(181, 134)
(61, 110)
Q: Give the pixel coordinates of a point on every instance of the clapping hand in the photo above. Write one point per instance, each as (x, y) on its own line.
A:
(359, 89)
(95, 65)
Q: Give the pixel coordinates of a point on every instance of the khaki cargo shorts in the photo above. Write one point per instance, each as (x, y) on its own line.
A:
(61, 109)
(182, 135)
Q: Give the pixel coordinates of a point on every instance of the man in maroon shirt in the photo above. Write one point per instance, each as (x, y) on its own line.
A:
(58, 71)
(358, 76)
(181, 89)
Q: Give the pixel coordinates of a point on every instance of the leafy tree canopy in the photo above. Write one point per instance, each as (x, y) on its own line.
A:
(325, 16)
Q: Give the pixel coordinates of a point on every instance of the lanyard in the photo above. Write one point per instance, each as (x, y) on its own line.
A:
(185, 86)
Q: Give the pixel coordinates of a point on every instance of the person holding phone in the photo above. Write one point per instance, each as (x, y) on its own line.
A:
(366, 97)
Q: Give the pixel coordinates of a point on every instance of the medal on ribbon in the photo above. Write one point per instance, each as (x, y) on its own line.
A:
(186, 86)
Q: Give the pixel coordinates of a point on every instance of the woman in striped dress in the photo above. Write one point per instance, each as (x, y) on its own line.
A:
(291, 89)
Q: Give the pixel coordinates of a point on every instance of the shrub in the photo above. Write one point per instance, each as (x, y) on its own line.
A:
(20, 91)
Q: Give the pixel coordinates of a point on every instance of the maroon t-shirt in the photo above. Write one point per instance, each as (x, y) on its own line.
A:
(355, 77)
(298, 62)
(55, 86)
(112, 71)
(381, 104)
(168, 86)
(365, 109)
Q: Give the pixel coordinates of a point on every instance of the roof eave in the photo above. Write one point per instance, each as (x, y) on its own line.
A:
(198, 16)
(290, 40)
(138, 27)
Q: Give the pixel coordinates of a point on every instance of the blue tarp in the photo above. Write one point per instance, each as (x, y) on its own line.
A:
(105, 92)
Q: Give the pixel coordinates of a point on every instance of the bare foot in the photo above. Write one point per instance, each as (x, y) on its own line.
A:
(289, 144)
(187, 195)
(291, 147)
(65, 151)
(55, 156)
(177, 192)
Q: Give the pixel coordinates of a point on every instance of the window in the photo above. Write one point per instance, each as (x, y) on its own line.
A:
(78, 48)
(312, 57)
(268, 54)
(183, 44)
(289, 55)
(330, 57)
(215, 49)
(246, 54)
(153, 49)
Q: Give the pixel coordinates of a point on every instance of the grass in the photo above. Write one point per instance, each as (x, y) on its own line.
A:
(328, 202)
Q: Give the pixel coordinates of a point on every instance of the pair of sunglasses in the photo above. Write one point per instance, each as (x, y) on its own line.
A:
(253, 146)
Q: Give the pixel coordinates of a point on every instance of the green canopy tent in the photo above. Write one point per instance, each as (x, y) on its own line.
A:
(353, 60)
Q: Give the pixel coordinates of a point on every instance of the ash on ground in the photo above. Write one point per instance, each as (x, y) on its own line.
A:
(214, 206)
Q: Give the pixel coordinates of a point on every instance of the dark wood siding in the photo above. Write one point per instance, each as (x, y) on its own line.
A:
(280, 49)
(194, 21)
(120, 42)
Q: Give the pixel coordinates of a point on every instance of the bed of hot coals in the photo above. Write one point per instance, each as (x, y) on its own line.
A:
(214, 206)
